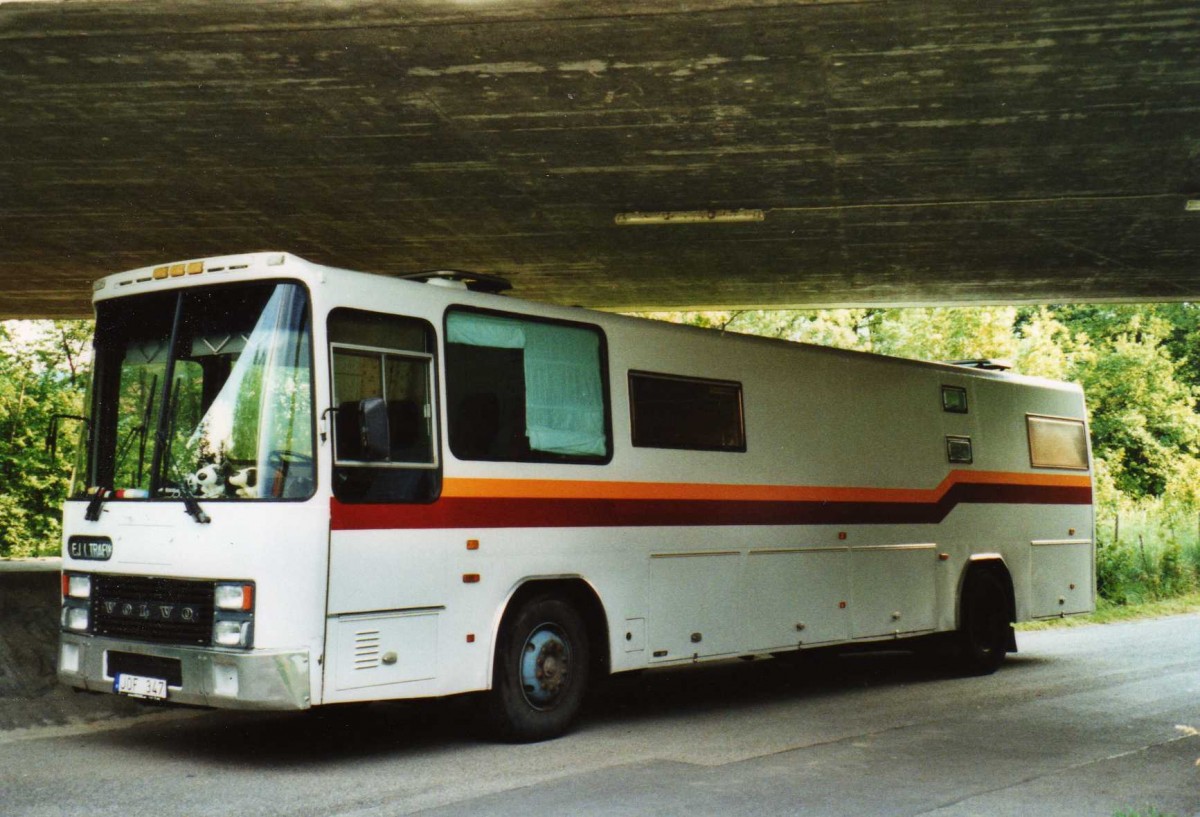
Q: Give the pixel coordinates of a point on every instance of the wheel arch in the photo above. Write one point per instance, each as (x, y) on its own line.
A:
(993, 564)
(576, 591)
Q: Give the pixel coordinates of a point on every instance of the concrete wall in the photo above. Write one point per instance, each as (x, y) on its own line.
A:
(30, 695)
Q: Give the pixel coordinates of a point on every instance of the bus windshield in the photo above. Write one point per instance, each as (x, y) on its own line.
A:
(202, 393)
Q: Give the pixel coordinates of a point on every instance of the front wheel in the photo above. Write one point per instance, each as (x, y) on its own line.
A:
(986, 631)
(541, 671)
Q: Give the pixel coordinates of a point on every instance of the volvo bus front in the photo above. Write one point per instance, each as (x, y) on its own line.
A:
(195, 548)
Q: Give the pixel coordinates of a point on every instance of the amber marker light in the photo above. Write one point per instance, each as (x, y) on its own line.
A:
(470, 578)
(472, 544)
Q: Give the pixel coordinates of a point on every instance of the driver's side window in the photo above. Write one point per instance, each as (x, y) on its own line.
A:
(385, 440)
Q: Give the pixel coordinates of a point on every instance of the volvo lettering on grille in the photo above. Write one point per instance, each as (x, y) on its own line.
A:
(147, 611)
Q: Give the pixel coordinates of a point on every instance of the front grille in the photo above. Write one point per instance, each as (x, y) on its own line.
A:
(161, 611)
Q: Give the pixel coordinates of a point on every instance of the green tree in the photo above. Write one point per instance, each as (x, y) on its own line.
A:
(843, 328)
(942, 333)
(43, 371)
(1141, 401)
(1046, 347)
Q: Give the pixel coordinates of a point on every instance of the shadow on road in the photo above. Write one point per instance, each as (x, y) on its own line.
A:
(398, 729)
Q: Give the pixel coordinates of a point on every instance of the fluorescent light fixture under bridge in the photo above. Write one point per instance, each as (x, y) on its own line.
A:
(689, 217)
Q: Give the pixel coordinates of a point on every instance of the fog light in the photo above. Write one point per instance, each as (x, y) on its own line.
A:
(231, 633)
(68, 658)
(77, 586)
(75, 618)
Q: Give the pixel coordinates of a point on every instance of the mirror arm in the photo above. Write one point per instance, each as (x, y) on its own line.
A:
(52, 431)
(323, 430)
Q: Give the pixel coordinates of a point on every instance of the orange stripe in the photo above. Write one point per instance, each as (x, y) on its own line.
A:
(603, 489)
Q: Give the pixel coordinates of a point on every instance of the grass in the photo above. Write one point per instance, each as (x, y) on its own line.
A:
(1108, 613)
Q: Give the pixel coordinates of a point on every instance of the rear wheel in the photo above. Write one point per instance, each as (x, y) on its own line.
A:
(541, 671)
(986, 631)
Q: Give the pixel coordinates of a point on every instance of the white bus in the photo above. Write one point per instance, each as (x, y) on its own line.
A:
(303, 486)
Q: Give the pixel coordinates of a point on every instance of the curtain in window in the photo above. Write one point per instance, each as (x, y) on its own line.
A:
(564, 398)
(484, 330)
(564, 411)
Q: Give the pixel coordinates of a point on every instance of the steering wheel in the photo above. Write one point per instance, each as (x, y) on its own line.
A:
(285, 458)
(280, 464)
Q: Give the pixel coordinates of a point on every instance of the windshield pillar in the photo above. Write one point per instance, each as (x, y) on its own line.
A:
(162, 430)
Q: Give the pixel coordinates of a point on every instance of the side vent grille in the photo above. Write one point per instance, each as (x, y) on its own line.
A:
(366, 649)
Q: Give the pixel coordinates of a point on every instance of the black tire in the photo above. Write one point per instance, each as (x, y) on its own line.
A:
(541, 671)
(985, 630)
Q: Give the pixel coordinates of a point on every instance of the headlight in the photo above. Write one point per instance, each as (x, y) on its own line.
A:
(234, 597)
(231, 633)
(77, 585)
(75, 618)
(233, 614)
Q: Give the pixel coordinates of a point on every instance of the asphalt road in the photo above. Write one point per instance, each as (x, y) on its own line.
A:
(1082, 722)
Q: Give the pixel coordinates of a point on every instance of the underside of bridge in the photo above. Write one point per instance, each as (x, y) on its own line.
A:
(612, 153)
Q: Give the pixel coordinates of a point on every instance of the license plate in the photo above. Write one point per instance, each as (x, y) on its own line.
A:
(139, 686)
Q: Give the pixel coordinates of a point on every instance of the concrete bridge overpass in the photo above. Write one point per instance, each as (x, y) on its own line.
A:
(612, 153)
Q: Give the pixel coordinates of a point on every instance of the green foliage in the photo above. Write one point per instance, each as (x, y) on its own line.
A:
(1045, 345)
(1142, 416)
(43, 371)
(1118, 578)
(947, 334)
(843, 328)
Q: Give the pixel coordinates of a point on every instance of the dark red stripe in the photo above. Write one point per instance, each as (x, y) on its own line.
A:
(486, 512)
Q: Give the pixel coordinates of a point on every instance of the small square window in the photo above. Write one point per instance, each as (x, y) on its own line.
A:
(958, 450)
(954, 399)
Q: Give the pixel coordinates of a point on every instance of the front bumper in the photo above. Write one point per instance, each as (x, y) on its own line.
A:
(228, 679)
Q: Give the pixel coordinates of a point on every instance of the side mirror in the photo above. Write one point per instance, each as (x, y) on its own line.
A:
(373, 429)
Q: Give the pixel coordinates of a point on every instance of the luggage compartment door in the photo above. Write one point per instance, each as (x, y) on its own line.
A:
(1061, 577)
(894, 589)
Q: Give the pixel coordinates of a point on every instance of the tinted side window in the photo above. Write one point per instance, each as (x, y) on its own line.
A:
(689, 413)
(1057, 442)
(525, 390)
(390, 359)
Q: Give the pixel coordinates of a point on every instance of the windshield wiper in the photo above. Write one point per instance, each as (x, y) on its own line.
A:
(92, 514)
(191, 505)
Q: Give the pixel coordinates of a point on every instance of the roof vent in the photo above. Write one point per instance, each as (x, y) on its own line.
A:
(460, 279)
(988, 363)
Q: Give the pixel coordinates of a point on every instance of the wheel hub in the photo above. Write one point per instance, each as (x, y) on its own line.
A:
(545, 666)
